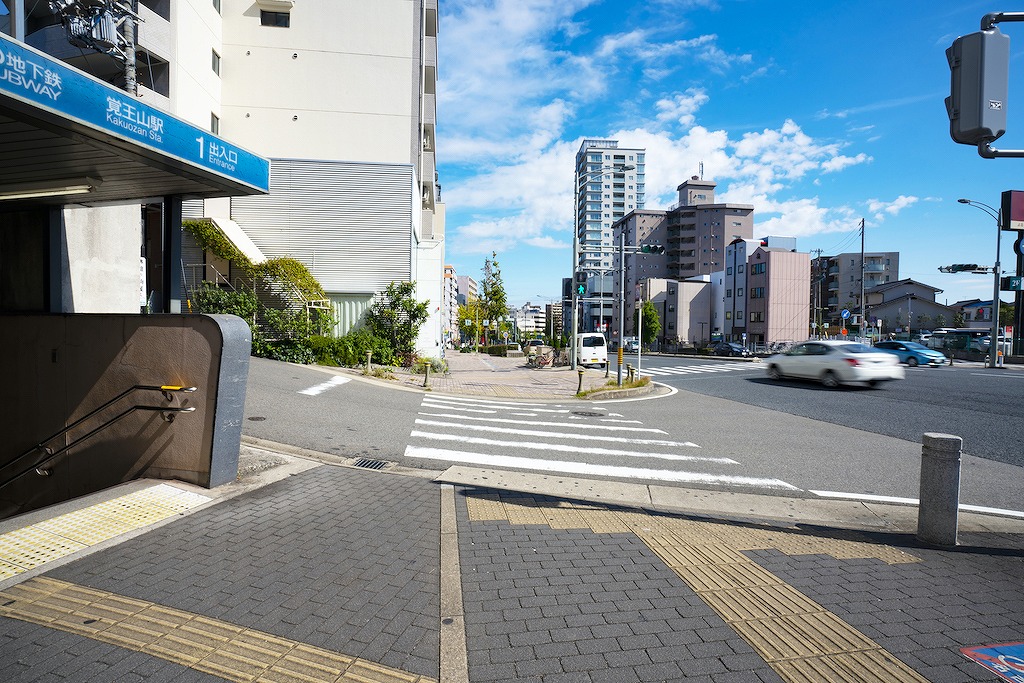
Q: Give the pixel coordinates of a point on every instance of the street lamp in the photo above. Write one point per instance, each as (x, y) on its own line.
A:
(994, 347)
(583, 179)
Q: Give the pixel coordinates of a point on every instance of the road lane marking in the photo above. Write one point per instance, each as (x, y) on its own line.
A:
(549, 424)
(506, 461)
(558, 435)
(491, 407)
(324, 386)
(480, 441)
(914, 501)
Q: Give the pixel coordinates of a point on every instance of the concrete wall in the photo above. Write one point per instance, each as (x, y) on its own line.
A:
(100, 257)
(75, 364)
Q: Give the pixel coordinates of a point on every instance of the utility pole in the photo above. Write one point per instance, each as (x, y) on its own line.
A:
(816, 282)
(863, 304)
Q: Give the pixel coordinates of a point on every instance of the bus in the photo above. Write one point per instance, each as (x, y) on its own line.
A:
(975, 339)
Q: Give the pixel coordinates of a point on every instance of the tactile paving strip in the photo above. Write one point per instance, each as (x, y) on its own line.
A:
(801, 640)
(219, 648)
(35, 545)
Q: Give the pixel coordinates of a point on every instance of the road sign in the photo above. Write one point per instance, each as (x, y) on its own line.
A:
(1004, 659)
(845, 313)
(842, 331)
(1011, 284)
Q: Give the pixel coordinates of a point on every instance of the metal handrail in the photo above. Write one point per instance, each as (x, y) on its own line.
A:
(168, 390)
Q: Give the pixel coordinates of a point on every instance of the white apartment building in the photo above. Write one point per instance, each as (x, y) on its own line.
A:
(450, 306)
(603, 196)
(340, 95)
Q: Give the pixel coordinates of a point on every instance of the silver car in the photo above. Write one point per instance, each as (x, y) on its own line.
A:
(834, 363)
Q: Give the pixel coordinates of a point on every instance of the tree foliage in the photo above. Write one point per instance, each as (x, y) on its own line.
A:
(396, 317)
(493, 301)
(651, 322)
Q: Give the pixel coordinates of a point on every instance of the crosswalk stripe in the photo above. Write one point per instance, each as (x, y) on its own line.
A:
(484, 407)
(531, 445)
(560, 435)
(532, 423)
(590, 469)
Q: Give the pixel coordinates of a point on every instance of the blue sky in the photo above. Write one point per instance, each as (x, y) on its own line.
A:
(818, 113)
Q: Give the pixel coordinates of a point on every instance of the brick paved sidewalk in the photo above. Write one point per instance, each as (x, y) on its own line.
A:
(335, 574)
(478, 374)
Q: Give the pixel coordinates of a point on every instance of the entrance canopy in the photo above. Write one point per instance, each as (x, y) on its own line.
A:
(69, 138)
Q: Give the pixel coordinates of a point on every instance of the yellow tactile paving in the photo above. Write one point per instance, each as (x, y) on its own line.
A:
(35, 545)
(223, 649)
(801, 640)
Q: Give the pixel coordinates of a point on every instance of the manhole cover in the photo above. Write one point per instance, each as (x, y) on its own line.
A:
(257, 418)
(585, 413)
(370, 464)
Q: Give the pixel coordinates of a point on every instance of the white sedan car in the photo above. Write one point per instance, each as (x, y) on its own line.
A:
(834, 363)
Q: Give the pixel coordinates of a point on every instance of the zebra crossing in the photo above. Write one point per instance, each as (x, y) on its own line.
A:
(699, 369)
(588, 441)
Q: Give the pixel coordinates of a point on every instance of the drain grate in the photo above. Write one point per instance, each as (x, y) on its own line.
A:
(370, 463)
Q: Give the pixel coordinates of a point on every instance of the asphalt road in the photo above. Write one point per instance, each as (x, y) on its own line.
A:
(728, 427)
(984, 407)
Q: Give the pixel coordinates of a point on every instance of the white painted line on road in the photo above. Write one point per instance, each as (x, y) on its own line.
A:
(456, 407)
(324, 386)
(469, 407)
(591, 469)
(989, 374)
(526, 414)
(488, 402)
(914, 501)
(532, 423)
(559, 435)
(634, 422)
(479, 441)
(865, 496)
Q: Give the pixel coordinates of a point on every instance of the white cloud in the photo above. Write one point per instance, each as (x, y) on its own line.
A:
(878, 208)
(681, 107)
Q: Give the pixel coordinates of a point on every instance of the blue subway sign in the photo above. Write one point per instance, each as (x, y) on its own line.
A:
(36, 78)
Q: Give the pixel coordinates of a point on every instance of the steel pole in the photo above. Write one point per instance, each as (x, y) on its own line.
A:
(995, 347)
(622, 298)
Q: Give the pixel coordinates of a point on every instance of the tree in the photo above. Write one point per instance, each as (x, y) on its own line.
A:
(651, 322)
(940, 320)
(493, 302)
(958, 320)
(396, 317)
(470, 319)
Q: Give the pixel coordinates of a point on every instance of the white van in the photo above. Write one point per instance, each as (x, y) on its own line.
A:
(591, 349)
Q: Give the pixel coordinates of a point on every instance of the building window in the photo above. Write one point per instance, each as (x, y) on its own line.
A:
(739, 268)
(728, 315)
(215, 61)
(739, 291)
(214, 124)
(756, 317)
(728, 271)
(282, 19)
(757, 292)
(728, 294)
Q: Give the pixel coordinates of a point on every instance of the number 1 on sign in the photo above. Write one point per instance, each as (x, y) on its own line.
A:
(202, 145)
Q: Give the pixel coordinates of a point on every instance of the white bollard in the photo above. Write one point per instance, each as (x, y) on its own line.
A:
(940, 489)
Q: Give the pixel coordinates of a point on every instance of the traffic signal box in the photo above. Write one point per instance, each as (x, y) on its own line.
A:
(979, 81)
(581, 284)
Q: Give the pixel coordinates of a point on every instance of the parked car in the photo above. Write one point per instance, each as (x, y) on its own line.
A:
(834, 363)
(729, 349)
(912, 353)
(631, 345)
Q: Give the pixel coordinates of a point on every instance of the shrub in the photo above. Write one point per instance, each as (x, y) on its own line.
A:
(437, 365)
